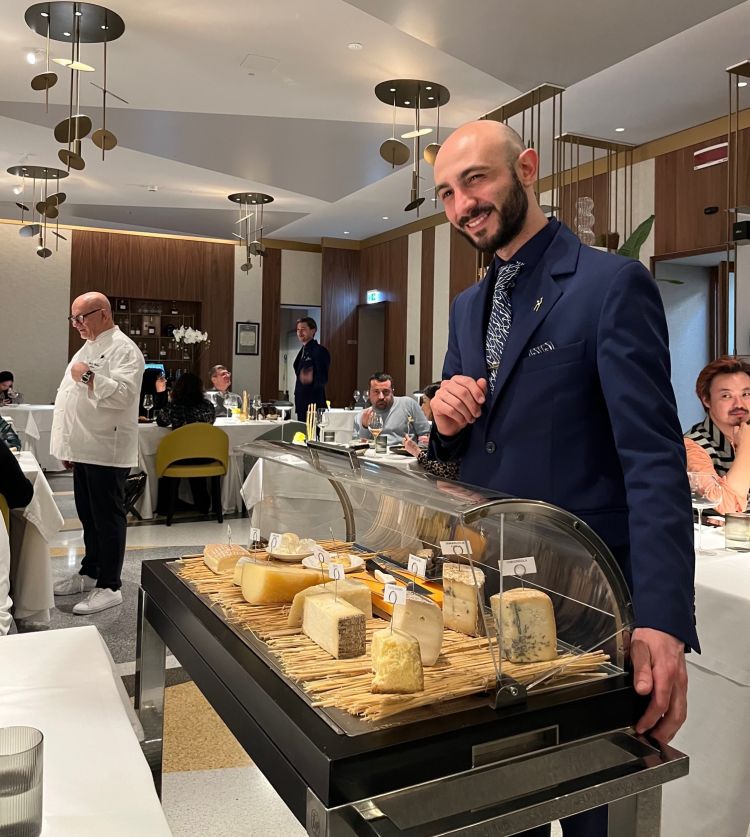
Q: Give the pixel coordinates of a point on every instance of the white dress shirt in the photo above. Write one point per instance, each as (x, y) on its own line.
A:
(99, 426)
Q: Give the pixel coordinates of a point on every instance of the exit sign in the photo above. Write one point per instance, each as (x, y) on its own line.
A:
(374, 296)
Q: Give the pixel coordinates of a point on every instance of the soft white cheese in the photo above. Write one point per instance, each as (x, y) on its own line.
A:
(423, 620)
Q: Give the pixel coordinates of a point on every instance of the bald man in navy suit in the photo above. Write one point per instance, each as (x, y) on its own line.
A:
(557, 387)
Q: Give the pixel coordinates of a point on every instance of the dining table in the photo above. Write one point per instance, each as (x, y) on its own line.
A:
(31, 530)
(713, 798)
(96, 780)
(239, 432)
(33, 424)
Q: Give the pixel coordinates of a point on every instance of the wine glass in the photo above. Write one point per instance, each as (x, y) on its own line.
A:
(323, 422)
(257, 404)
(356, 395)
(376, 427)
(705, 493)
(148, 405)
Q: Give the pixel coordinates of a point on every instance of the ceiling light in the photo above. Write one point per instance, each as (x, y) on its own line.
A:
(31, 57)
(741, 84)
(346, 232)
(385, 217)
(44, 14)
(67, 34)
(619, 130)
(355, 45)
(17, 190)
(417, 132)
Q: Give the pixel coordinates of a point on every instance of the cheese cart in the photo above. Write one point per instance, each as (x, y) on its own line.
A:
(488, 743)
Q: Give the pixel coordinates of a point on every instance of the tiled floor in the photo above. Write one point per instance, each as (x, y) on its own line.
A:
(225, 802)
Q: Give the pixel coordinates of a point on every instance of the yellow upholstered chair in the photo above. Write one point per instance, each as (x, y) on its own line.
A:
(5, 512)
(193, 450)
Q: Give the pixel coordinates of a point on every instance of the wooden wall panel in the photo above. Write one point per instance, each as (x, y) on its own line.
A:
(162, 269)
(270, 329)
(427, 304)
(385, 267)
(463, 266)
(339, 300)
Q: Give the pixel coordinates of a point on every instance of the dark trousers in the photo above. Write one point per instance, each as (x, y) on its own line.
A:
(100, 502)
(588, 824)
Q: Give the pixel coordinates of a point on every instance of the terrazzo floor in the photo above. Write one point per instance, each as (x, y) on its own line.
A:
(210, 786)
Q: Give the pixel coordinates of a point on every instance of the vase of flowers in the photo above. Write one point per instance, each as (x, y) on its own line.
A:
(188, 336)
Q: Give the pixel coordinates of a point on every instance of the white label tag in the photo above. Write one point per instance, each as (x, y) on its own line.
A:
(274, 539)
(254, 535)
(394, 594)
(519, 567)
(336, 572)
(449, 548)
(320, 554)
(418, 566)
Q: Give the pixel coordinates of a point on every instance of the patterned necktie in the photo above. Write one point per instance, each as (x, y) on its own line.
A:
(500, 320)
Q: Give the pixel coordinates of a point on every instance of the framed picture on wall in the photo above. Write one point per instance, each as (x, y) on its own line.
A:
(247, 338)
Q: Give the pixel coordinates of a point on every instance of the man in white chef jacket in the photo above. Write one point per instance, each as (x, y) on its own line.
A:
(95, 431)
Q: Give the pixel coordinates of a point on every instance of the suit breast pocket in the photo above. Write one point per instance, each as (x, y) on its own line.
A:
(571, 353)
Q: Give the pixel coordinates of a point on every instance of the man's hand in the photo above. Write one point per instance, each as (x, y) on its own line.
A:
(423, 440)
(77, 369)
(740, 435)
(458, 403)
(365, 416)
(67, 465)
(659, 670)
(306, 376)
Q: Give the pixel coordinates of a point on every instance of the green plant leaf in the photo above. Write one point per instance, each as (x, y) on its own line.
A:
(632, 247)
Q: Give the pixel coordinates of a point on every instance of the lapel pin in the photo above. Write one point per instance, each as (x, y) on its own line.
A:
(538, 303)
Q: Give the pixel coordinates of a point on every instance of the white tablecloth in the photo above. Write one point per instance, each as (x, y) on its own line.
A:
(96, 780)
(149, 436)
(33, 423)
(714, 799)
(30, 530)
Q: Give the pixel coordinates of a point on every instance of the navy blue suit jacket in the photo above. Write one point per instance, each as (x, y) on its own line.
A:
(591, 425)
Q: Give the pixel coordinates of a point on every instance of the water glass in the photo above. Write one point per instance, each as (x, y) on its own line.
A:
(148, 405)
(705, 493)
(737, 531)
(21, 751)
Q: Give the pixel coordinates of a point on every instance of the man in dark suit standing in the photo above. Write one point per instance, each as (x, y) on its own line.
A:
(311, 369)
(557, 387)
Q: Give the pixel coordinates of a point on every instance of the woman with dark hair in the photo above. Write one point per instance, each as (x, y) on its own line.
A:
(154, 384)
(188, 405)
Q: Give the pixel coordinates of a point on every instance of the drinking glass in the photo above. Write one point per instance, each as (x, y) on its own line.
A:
(257, 404)
(148, 405)
(21, 780)
(323, 422)
(705, 493)
(356, 395)
(376, 426)
(231, 402)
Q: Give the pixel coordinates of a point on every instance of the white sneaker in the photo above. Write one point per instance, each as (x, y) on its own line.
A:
(99, 599)
(74, 585)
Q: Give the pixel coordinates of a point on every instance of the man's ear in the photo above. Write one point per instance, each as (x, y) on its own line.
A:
(527, 165)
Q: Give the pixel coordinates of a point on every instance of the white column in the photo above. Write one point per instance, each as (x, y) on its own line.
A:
(441, 302)
(413, 310)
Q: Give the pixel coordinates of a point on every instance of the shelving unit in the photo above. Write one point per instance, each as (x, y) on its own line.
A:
(150, 324)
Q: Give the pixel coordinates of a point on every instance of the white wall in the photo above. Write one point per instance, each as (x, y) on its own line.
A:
(248, 298)
(686, 307)
(36, 300)
(300, 278)
(413, 312)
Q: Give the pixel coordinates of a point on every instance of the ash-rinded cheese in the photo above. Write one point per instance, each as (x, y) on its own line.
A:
(463, 588)
(335, 625)
(264, 583)
(423, 620)
(527, 621)
(355, 592)
(221, 557)
(396, 663)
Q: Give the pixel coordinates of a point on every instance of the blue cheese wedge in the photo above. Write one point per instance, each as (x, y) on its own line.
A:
(396, 663)
(526, 619)
(463, 589)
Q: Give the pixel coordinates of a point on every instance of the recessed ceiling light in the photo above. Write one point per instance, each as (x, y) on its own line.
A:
(355, 45)
(619, 130)
(78, 14)
(44, 14)
(346, 232)
(385, 217)
(17, 190)
(31, 57)
(741, 84)
(67, 34)
(407, 102)
(428, 88)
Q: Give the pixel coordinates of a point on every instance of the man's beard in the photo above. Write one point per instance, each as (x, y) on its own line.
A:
(512, 217)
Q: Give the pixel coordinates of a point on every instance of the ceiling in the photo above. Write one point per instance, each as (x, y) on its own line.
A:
(228, 96)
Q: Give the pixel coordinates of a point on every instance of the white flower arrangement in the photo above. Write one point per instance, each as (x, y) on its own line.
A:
(190, 335)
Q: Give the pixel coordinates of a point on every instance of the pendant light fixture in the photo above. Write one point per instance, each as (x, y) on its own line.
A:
(250, 210)
(75, 23)
(417, 95)
(43, 206)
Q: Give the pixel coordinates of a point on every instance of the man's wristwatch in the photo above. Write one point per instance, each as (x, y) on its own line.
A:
(87, 376)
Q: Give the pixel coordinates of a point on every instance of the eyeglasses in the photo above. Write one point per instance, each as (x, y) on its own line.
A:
(79, 318)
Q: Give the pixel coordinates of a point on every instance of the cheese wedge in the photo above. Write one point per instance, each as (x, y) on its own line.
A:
(527, 621)
(396, 663)
(354, 592)
(423, 620)
(221, 557)
(264, 583)
(237, 578)
(335, 625)
(463, 588)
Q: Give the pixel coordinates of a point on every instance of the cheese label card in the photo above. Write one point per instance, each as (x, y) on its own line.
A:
(254, 535)
(449, 548)
(274, 539)
(394, 594)
(418, 566)
(519, 567)
(320, 554)
(336, 572)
